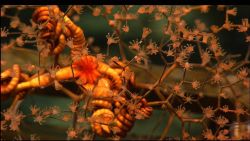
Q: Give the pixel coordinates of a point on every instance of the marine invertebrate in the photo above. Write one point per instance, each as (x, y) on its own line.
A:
(109, 84)
(15, 74)
(56, 28)
(113, 116)
(87, 67)
(180, 63)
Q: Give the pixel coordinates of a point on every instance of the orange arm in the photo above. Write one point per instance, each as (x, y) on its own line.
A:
(46, 79)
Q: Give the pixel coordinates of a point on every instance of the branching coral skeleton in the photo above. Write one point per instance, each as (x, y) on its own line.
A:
(110, 106)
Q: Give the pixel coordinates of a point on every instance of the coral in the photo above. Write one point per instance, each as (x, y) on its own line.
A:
(180, 66)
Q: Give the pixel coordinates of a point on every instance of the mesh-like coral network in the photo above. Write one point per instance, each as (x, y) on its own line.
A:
(186, 72)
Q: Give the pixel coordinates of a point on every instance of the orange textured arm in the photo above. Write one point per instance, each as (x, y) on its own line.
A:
(46, 79)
